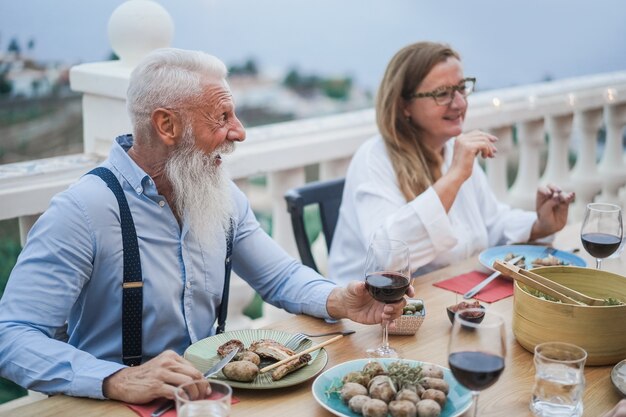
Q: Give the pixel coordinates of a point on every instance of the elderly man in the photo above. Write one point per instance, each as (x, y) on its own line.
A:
(135, 261)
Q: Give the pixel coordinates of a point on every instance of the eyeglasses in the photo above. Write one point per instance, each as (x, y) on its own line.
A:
(444, 95)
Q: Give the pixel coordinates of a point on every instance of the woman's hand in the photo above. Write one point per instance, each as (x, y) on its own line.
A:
(355, 303)
(157, 378)
(552, 209)
(467, 147)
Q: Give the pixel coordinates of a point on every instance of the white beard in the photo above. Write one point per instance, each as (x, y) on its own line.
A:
(201, 189)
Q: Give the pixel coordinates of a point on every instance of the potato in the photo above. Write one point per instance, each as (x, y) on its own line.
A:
(428, 408)
(382, 388)
(402, 409)
(435, 383)
(374, 408)
(435, 394)
(356, 403)
(431, 371)
(358, 377)
(373, 369)
(407, 395)
(350, 389)
(242, 371)
(250, 357)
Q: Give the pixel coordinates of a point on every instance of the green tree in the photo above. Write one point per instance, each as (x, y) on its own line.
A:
(14, 46)
(5, 85)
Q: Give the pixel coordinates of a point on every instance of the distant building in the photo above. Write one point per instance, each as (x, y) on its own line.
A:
(31, 79)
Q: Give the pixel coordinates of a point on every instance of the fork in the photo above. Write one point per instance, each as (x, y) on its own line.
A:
(297, 339)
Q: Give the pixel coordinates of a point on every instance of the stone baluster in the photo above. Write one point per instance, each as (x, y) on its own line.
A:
(279, 182)
(135, 28)
(611, 167)
(334, 169)
(559, 130)
(585, 176)
(497, 168)
(530, 141)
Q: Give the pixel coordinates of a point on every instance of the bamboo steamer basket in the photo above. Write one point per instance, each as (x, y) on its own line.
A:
(600, 330)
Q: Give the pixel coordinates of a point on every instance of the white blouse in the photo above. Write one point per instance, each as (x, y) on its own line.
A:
(373, 203)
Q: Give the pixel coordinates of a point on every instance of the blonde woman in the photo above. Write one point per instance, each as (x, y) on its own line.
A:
(419, 181)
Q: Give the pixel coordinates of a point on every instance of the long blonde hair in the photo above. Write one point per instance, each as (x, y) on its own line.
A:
(416, 166)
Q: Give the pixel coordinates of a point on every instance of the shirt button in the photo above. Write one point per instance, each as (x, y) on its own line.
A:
(188, 285)
(139, 189)
(161, 203)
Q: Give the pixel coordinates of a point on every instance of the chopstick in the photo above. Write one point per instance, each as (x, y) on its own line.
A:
(297, 355)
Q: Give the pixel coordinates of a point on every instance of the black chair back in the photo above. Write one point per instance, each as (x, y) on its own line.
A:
(327, 195)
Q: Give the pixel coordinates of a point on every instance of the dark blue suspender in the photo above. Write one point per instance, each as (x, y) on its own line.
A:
(132, 286)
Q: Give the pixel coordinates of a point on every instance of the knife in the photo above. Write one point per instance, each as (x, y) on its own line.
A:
(490, 278)
(168, 405)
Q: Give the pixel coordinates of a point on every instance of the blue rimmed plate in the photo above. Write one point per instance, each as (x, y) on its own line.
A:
(459, 397)
(530, 252)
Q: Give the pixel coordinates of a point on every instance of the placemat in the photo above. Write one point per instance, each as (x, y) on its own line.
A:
(497, 290)
(145, 410)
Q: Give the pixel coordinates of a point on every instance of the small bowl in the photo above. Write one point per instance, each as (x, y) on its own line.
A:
(618, 377)
(476, 320)
(408, 324)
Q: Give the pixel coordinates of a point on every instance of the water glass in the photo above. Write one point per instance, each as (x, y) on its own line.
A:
(559, 380)
(216, 404)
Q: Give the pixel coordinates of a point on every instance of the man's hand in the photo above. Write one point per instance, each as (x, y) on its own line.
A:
(157, 378)
(552, 208)
(355, 303)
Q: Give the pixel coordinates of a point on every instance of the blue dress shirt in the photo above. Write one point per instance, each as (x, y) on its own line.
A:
(70, 271)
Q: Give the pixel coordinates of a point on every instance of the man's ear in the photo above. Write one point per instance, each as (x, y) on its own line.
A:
(167, 126)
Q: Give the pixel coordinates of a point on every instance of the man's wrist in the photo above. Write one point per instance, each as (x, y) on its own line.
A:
(108, 386)
(334, 304)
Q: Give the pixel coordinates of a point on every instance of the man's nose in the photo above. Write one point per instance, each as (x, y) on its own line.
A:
(237, 133)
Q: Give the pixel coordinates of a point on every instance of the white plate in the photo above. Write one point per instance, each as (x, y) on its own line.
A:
(618, 376)
(459, 397)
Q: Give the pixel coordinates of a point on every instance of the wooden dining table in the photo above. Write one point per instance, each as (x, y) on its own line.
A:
(509, 396)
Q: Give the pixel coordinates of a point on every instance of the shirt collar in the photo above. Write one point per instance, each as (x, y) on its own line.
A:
(132, 173)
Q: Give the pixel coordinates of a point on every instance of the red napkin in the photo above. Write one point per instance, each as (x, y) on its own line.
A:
(144, 410)
(498, 289)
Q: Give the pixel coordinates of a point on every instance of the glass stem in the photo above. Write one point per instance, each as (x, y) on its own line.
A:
(598, 263)
(475, 399)
(385, 335)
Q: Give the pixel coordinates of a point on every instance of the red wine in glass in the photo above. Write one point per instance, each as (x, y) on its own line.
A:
(476, 370)
(387, 278)
(387, 287)
(477, 350)
(600, 245)
(602, 230)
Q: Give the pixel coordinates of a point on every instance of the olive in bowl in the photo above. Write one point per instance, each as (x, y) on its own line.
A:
(472, 317)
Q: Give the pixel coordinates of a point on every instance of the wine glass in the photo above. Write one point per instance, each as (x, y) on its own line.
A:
(477, 349)
(602, 230)
(387, 278)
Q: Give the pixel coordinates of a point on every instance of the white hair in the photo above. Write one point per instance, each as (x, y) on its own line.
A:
(169, 78)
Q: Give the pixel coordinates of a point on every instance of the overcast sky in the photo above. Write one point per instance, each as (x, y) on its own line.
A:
(502, 42)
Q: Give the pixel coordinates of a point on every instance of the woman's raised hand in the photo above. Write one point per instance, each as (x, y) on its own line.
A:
(467, 147)
(552, 209)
